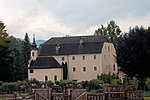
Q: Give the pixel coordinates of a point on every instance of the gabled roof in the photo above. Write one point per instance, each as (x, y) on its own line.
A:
(73, 45)
(44, 62)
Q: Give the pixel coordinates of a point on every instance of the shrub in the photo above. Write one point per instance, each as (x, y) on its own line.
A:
(65, 83)
(148, 83)
(1, 82)
(94, 84)
(84, 84)
(49, 83)
(115, 81)
(9, 87)
(134, 81)
(33, 81)
(106, 78)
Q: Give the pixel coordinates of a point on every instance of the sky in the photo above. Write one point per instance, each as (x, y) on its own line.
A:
(58, 18)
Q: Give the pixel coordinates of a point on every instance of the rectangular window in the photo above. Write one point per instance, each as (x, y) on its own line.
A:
(55, 77)
(74, 69)
(95, 68)
(46, 78)
(73, 57)
(114, 67)
(32, 53)
(94, 56)
(31, 71)
(84, 69)
(83, 57)
(108, 48)
(63, 58)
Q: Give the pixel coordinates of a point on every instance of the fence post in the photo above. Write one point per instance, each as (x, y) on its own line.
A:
(15, 96)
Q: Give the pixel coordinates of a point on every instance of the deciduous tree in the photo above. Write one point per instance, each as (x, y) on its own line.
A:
(112, 31)
(133, 52)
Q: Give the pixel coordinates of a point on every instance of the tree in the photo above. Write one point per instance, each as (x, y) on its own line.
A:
(65, 71)
(5, 58)
(133, 52)
(112, 31)
(15, 47)
(25, 56)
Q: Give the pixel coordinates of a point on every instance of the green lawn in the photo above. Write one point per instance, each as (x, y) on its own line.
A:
(147, 95)
(146, 98)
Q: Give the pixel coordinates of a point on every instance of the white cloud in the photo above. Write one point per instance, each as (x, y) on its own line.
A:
(133, 21)
(49, 18)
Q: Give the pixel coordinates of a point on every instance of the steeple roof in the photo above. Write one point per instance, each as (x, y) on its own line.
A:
(33, 43)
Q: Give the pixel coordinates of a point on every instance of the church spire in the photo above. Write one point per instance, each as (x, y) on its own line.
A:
(34, 44)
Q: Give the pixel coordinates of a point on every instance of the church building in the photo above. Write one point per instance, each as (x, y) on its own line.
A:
(85, 56)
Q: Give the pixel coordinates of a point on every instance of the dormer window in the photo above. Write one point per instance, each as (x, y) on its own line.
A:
(57, 48)
(81, 42)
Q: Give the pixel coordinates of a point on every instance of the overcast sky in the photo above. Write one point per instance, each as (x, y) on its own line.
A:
(49, 18)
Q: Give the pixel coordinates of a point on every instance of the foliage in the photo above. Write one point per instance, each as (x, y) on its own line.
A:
(115, 81)
(106, 78)
(65, 71)
(133, 52)
(33, 81)
(94, 84)
(131, 81)
(6, 67)
(1, 82)
(49, 83)
(84, 84)
(134, 81)
(25, 56)
(15, 47)
(148, 83)
(65, 82)
(9, 87)
(112, 31)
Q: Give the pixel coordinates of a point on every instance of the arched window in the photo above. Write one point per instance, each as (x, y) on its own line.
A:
(32, 53)
(55, 77)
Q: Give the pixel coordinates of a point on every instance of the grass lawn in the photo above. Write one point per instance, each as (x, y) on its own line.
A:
(146, 98)
(147, 95)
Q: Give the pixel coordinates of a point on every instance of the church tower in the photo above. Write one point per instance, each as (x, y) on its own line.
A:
(34, 50)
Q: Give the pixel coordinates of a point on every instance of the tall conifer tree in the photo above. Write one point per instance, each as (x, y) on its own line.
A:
(25, 55)
(5, 58)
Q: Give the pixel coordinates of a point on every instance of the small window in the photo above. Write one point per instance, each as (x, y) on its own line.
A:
(55, 77)
(104, 56)
(94, 56)
(32, 53)
(63, 58)
(83, 57)
(114, 67)
(108, 48)
(31, 71)
(95, 68)
(73, 57)
(46, 78)
(74, 69)
(84, 69)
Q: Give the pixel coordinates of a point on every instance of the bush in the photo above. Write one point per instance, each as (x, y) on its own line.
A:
(65, 83)
(33, 81)
(9, 87)
(134, 81)
(49, 83)
(94, 84)
(148, 83)
(84, 84)
(115, 81)
(1, 82)
(106, 78)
